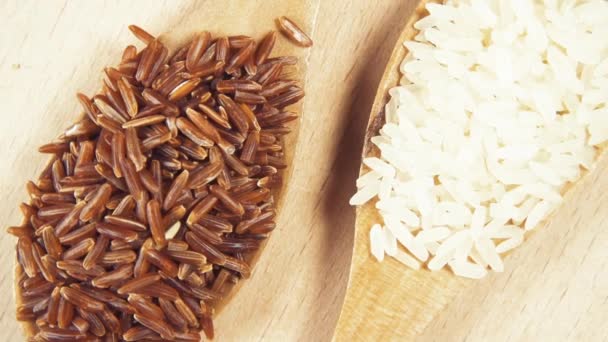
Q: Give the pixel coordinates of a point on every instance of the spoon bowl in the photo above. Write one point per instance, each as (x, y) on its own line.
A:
(177, 30)
(388, 300)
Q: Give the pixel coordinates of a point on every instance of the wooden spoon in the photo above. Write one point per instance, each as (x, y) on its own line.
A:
(389, 300)
(175, 27)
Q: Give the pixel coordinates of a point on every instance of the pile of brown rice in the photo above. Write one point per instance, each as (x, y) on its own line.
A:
(153, 203)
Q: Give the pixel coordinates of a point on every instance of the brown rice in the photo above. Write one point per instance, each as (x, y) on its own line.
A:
(155, 200)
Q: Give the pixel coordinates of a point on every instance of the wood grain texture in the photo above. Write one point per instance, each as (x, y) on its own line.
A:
(555, 289)
(51, 49)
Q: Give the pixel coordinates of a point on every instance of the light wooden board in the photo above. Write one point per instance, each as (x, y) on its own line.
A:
(51, 49)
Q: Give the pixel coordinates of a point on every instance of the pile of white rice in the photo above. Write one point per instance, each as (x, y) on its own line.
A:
(502, 103)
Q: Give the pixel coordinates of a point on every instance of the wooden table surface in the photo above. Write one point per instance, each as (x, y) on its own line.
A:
(51, 49)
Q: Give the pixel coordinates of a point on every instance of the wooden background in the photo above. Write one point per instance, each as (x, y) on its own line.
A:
(556, 287)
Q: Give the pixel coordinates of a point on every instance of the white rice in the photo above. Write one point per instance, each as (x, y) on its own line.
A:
(376, 238)
(501, 105)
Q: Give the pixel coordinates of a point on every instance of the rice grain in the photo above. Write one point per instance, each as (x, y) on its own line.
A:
(293, 32)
